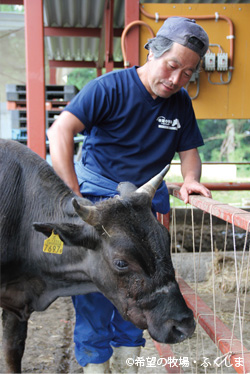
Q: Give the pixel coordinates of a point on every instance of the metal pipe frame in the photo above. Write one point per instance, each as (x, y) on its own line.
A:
(232, 348)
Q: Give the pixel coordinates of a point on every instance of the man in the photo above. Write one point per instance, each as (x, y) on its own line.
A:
(134, 121)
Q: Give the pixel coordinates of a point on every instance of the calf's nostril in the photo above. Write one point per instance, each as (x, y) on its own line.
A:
(184, 329)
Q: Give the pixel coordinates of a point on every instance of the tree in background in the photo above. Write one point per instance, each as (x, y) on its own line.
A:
(228, 145)
(12, 8)
(225, 140)
(12, 47)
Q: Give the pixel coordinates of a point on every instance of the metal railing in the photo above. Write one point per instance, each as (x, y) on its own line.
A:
(232, 349)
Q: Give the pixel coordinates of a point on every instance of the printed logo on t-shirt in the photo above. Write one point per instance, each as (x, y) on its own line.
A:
(168, 124)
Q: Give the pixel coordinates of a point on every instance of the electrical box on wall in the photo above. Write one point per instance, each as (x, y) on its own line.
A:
(210, 61)
(221, 89)
(222, 61)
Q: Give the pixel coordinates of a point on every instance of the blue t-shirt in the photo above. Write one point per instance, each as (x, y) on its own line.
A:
(129, 135)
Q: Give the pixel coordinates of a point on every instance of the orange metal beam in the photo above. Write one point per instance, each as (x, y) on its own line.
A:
(35, 79)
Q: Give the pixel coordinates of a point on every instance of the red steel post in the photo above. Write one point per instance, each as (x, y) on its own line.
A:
(109, 34)
(52, 76)
(35, 77)
(164, 219)
(132, 42)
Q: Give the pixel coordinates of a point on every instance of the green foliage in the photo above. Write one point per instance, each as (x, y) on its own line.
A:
(243, 171)
(12, 65)
(216, 135)
(12, 8)
(80, 77)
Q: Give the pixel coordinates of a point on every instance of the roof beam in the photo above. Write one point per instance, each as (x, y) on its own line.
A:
(72, 31)
(79, 64)
(11, 2)
(78, 31)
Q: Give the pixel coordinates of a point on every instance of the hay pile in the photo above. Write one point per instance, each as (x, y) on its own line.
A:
(223, 275)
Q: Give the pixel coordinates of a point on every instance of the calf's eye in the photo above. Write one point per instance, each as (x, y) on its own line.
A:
(121, 264)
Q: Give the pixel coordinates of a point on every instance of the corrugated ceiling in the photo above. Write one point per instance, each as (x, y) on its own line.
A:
(88, 13)
(79, 13)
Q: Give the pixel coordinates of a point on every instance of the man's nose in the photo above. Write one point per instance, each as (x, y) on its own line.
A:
(175, 77)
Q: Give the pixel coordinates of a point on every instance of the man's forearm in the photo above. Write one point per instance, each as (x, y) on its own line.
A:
(62, 157)
(191, 166)
(191, 172)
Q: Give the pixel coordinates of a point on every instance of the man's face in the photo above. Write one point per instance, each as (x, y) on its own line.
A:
(167, 74)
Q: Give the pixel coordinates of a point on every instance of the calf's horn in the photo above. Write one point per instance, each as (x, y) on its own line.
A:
(88, 214)
(151, 186)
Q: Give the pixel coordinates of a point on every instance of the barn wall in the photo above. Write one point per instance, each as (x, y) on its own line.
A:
(213, 101)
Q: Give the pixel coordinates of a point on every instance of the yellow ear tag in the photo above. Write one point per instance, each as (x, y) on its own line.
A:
(53, 244)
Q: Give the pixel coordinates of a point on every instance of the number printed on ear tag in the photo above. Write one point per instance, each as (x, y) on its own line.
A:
(53, 244)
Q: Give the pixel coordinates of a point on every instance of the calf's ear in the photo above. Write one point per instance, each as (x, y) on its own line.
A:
(71, 234)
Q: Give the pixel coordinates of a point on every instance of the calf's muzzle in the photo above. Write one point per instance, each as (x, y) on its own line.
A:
(174, 330)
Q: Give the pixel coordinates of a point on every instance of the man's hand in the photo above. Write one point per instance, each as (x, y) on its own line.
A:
(193, 187)
(191, 172)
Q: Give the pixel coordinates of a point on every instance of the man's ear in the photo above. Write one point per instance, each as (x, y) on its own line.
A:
(71, 234)
(150, 55)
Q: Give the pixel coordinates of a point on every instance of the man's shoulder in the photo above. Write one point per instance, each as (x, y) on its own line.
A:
(116, 75)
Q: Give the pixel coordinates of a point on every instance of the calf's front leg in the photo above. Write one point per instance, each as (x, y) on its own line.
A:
(14, 336)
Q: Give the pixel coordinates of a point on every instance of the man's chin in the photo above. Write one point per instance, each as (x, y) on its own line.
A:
(166, 93)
